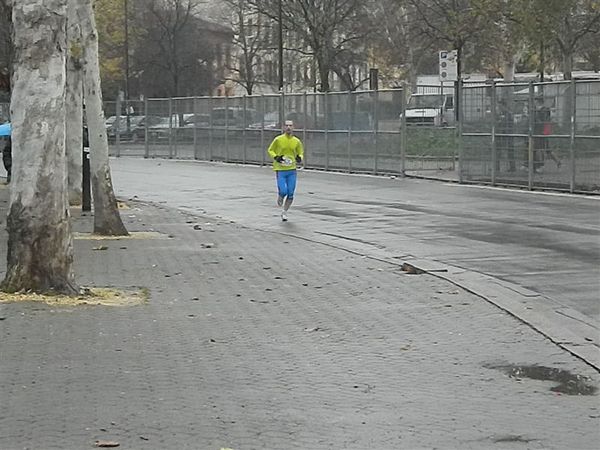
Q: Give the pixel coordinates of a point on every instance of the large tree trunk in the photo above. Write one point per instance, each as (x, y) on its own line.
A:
(40, 247)
(107, 220)
(74, 105)
(324, 71)
(567, 64)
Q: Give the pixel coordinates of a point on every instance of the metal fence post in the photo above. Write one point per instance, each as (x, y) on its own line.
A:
(349, 142)
(86, 191)
(210, 127)
(461, 144)
(326, 99)
(304, 131)
(226, 128)
(117, 125)
(262, 130)
(244, 104)
(376, 130)
(573, 131)
(146, 141)
(530, 149)
(403, 131)
(176, 124)
(170, 128)
(195, 119)
(281, 108)
(495, 162)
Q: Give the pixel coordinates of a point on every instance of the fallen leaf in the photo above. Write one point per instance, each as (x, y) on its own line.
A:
(107, 444)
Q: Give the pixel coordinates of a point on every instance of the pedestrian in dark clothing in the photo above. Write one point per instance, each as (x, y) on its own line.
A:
(542, 129)
(7, 158)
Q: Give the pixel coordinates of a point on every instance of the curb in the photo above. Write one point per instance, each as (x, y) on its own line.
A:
(562, 325)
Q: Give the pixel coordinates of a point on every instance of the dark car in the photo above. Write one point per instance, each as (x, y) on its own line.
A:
(136, 131)
(271, 121)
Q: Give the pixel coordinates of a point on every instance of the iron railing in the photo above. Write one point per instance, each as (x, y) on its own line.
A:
(533, 135)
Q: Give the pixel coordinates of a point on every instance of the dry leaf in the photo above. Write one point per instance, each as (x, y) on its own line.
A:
(107, 444)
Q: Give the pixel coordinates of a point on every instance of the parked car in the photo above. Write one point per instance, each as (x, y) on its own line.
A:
(112, 119)
(233, 116)
(165, 126)
(196, 120)
(162, 129)
(430, 110)
(344, 120)
(271, 121)
(136, 131)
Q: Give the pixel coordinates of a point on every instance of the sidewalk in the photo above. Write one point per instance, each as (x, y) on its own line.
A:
(258, 340)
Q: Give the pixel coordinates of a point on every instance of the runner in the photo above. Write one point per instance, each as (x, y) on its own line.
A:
(287, 151)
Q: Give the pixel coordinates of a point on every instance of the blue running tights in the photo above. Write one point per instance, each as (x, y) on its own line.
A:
(286, 183)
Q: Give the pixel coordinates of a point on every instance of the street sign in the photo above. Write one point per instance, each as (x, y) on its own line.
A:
(448, 65)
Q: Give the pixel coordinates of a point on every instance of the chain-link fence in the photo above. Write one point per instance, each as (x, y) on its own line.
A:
(539, 135)
(365, 131)
(536, 135)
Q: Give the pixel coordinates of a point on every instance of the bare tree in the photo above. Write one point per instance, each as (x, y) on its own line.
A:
(74, 104)
(590, 49)
(173, 44)
(395, 49)
(455, 22)
(40, 248)
(323, 28)
(344, 62)
(251, 38)
(564, 23)
(107, 220)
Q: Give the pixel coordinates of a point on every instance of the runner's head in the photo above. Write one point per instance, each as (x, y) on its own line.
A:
(289, 127)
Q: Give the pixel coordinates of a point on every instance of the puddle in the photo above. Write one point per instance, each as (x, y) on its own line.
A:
(411, 270)
(568, 383)
(327, 212)
(511, 438)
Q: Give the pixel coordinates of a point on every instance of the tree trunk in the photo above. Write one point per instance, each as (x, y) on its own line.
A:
(567, 64)
(323, 66)
(74, 105)
(40, 246)
(509, 69)
(107, 220)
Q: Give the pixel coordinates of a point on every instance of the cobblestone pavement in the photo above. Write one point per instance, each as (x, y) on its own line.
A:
(257, 340)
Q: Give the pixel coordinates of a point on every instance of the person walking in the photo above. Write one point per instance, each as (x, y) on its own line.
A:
(7, 158)
(287, 152)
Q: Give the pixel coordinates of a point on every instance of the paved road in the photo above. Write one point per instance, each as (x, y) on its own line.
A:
(547, 243)
(241, 346)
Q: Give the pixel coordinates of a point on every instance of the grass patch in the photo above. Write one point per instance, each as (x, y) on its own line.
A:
(431, 141)
(88, 297)
(132, 235)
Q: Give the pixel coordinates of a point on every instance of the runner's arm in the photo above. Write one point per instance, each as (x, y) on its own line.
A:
(300, 150)
(272, 150)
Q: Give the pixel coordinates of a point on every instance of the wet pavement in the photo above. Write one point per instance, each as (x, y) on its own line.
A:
(534, 254)
(259, 336)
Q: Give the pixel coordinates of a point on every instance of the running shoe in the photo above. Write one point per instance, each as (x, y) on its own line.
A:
(284, 216)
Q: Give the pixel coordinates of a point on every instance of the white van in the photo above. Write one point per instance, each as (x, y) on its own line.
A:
(430, 110)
